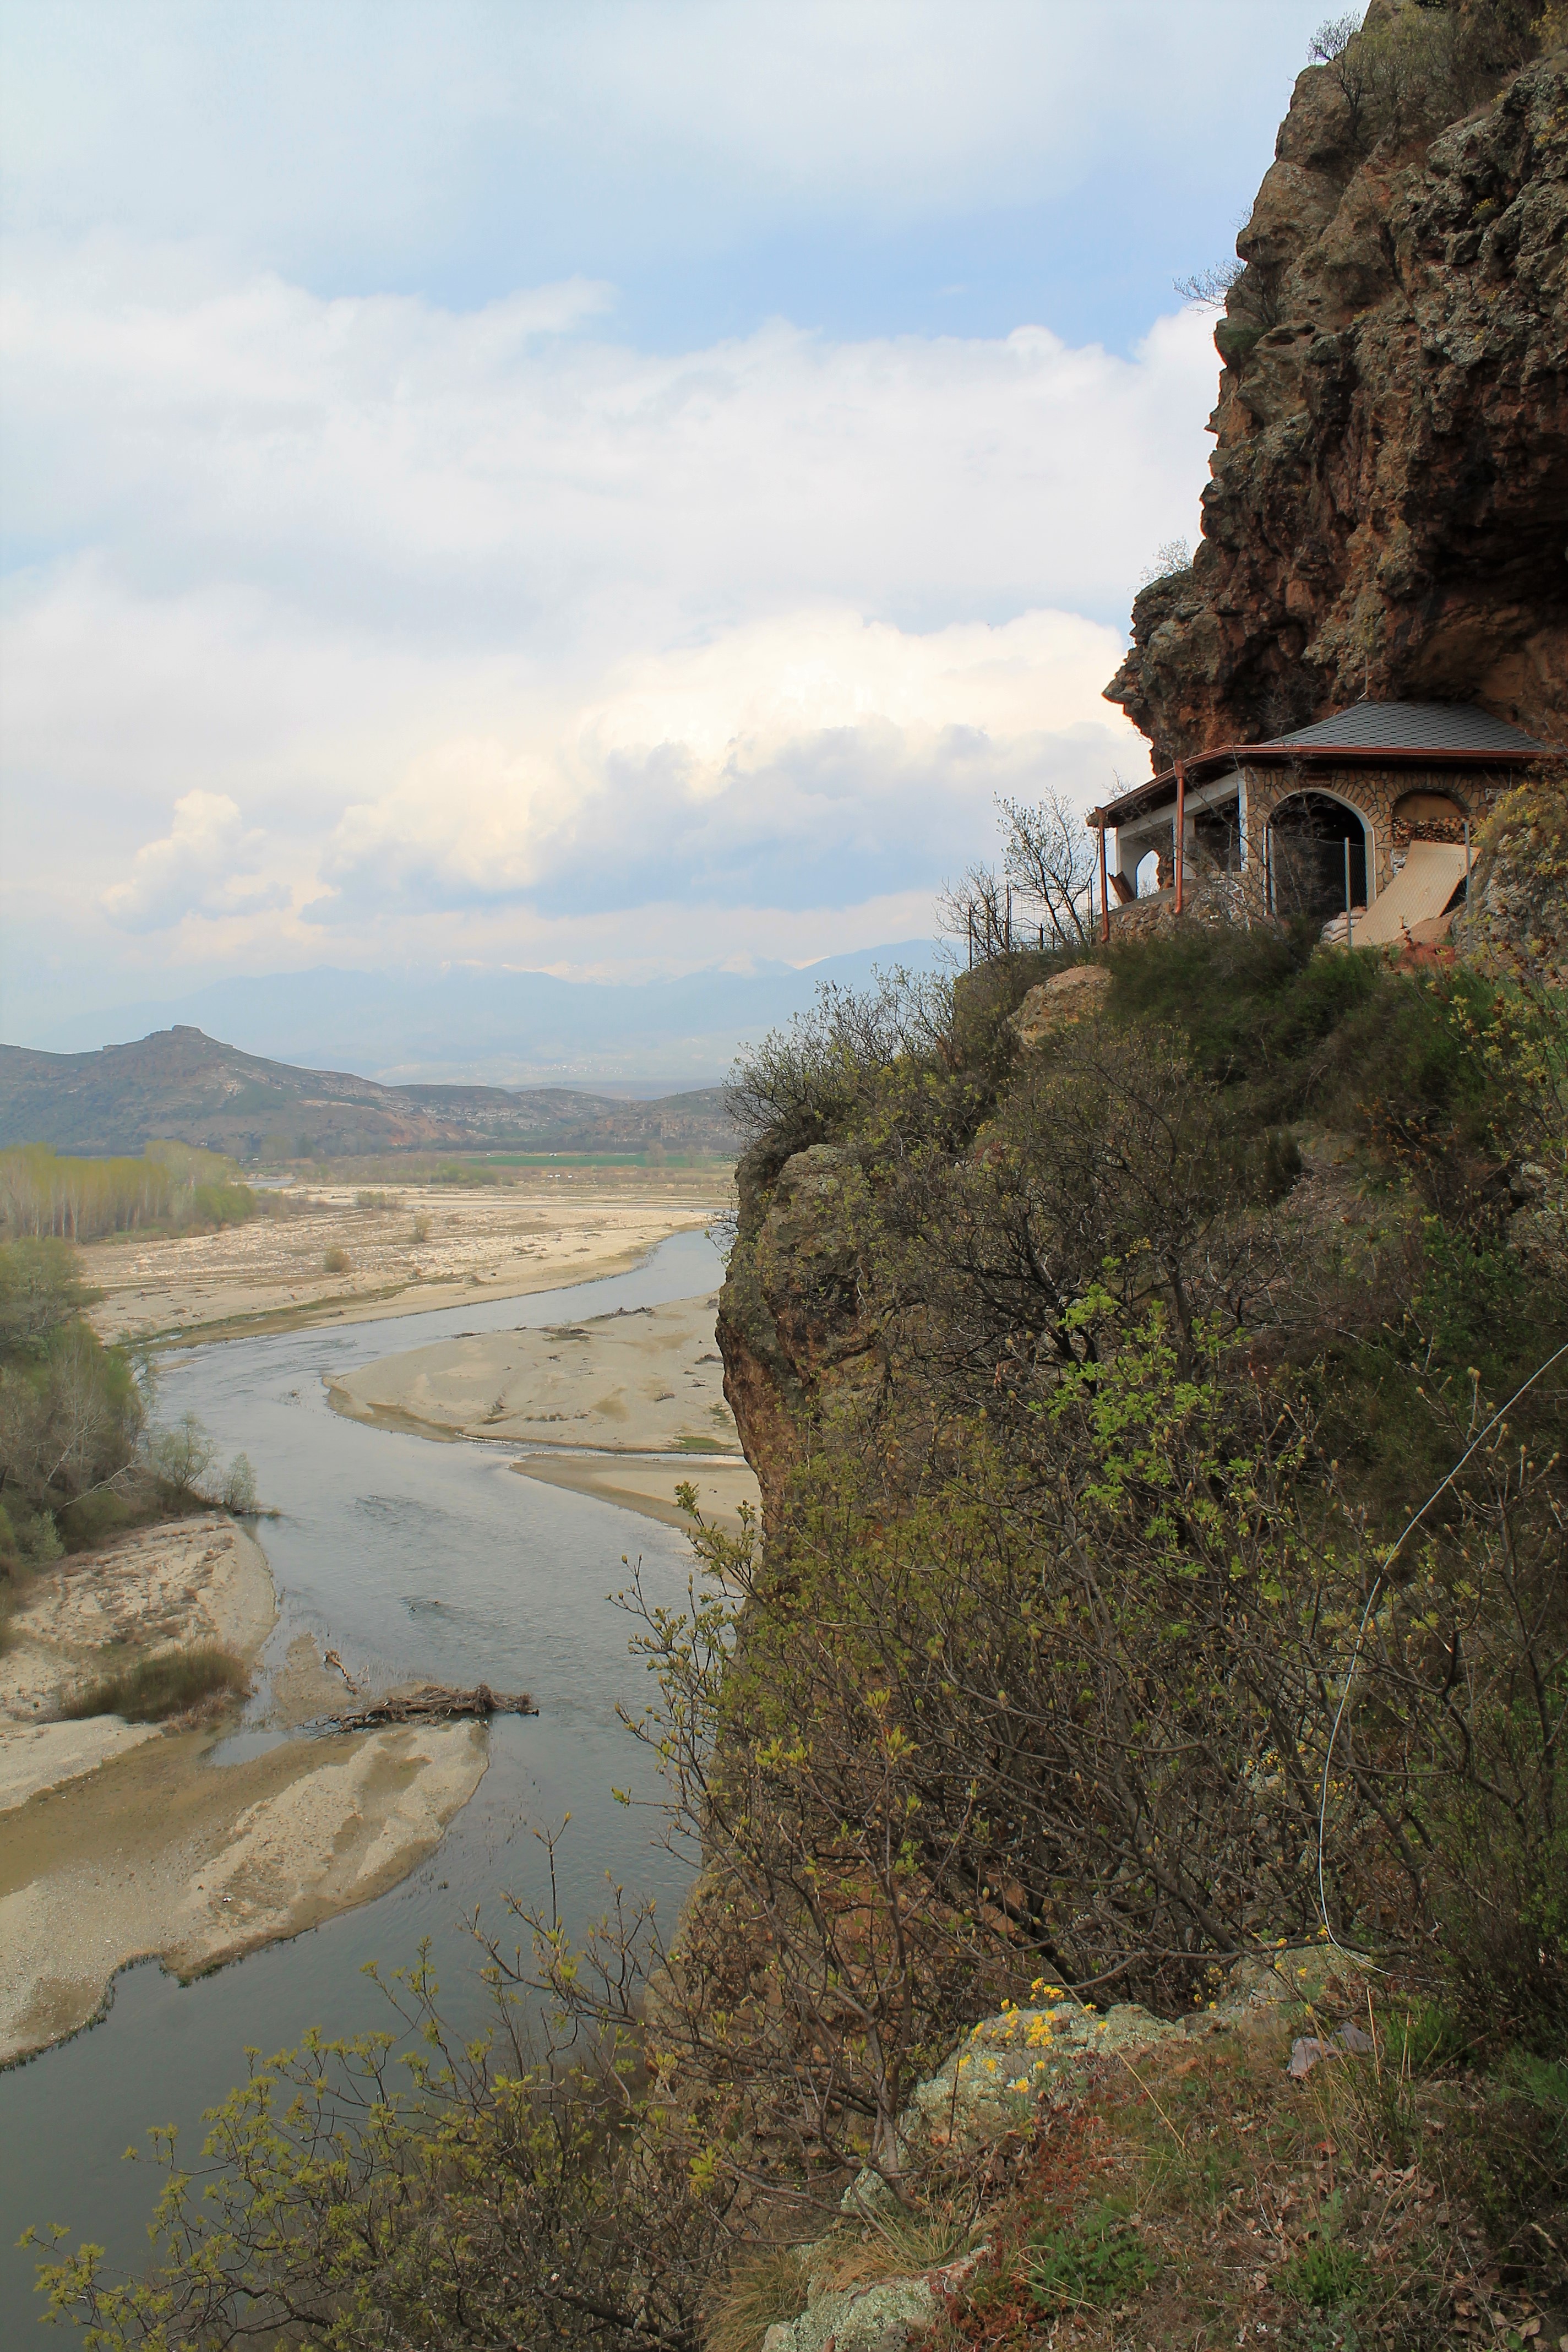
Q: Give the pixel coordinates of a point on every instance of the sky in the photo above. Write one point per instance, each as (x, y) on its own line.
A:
(608, 487)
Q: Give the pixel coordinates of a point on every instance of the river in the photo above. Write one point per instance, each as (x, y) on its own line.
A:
(415, 1560)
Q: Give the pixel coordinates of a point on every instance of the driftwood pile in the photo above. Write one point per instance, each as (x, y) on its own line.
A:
(435, 1703)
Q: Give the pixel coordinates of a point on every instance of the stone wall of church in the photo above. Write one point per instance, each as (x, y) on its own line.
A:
(1373, 793)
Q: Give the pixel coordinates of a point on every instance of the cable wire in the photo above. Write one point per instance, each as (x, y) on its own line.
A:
(1377, 1584)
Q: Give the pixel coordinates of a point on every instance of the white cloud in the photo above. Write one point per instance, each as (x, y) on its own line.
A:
(434, 474)
(206, 864)
(364, 139)
(792, 762)
(504, 638)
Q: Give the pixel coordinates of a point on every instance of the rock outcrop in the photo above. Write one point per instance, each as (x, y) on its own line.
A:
(994, 2086)
(1058, 1002)
(1388, 507)
(795, 1329)
(1516, 921)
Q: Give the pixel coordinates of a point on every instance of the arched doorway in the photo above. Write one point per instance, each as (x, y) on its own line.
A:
(1309, 835)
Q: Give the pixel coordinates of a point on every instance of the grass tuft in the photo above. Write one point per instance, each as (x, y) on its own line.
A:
(156, 1688)
(1326, 2277)
(766, 2284)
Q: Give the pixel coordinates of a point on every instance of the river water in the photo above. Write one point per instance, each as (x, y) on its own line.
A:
(415, 1560)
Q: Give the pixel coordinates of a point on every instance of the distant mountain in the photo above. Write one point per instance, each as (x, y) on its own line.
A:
(180, 1084)
(499, 1028)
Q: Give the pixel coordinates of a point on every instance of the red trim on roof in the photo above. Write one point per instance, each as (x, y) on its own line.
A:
(1338, 755)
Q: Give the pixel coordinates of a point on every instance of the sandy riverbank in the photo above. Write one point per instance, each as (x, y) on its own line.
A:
(120, 1841)
(586, 1396)
(409, 1249)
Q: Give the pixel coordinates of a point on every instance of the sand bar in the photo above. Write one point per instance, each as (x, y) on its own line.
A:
(160, 1854)
(649, 1487)
(644, 1381)
(120, 1842)
(409, 1249)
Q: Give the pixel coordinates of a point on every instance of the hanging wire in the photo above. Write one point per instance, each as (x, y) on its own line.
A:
(1377, 1583)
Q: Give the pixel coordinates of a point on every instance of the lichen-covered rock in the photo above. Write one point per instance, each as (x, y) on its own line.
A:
(1385, 511)
(1010, 2063)
(1517, 920)
(796, 1332)
(880, 2317)
(1066, 996)
(1007, 2068)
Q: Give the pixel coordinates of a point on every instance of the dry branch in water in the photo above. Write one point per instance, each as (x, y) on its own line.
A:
(433, 1703)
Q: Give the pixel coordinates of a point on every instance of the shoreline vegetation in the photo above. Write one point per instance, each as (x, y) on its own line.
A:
(173, 1187)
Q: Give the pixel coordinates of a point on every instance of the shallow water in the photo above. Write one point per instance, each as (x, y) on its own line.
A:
(413, 1560)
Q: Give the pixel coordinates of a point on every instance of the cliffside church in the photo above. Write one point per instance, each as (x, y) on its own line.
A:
(1363, 822)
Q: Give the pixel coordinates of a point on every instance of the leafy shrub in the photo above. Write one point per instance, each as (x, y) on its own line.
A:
(156, 1688)
(184, 1464)
(70, 1419)
(337, 1261)
(41, 1291)
(236, 1492)
(92, 1518)
(416, 2188)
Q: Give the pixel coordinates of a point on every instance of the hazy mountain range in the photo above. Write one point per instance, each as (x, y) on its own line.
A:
(180, 1084)
(488, 1027)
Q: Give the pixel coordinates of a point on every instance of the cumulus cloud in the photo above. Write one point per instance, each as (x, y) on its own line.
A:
(803, 762)
(206, 864)
(411, 469)
(503, 635)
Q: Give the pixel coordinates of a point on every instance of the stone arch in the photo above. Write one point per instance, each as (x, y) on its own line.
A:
(1309, 831)
(1425, 815)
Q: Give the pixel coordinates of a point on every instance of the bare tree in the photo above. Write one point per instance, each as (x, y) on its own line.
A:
(1205, 289)
(977, 909)
(1338, 48)
(1050, 859)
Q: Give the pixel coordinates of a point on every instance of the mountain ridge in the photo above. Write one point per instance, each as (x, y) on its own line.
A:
(180, 1084)
(488, 1027)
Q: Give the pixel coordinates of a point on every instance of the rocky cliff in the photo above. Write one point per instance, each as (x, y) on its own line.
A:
(1388, 507)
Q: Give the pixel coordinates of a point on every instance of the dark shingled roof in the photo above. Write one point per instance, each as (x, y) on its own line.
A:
(1413, 727)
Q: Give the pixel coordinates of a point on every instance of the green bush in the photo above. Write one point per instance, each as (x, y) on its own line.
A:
(1326, 2277)
(223, 1204)
(156, 1688)
(92, 1518)
(1099, 2260)
(41, 1291)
